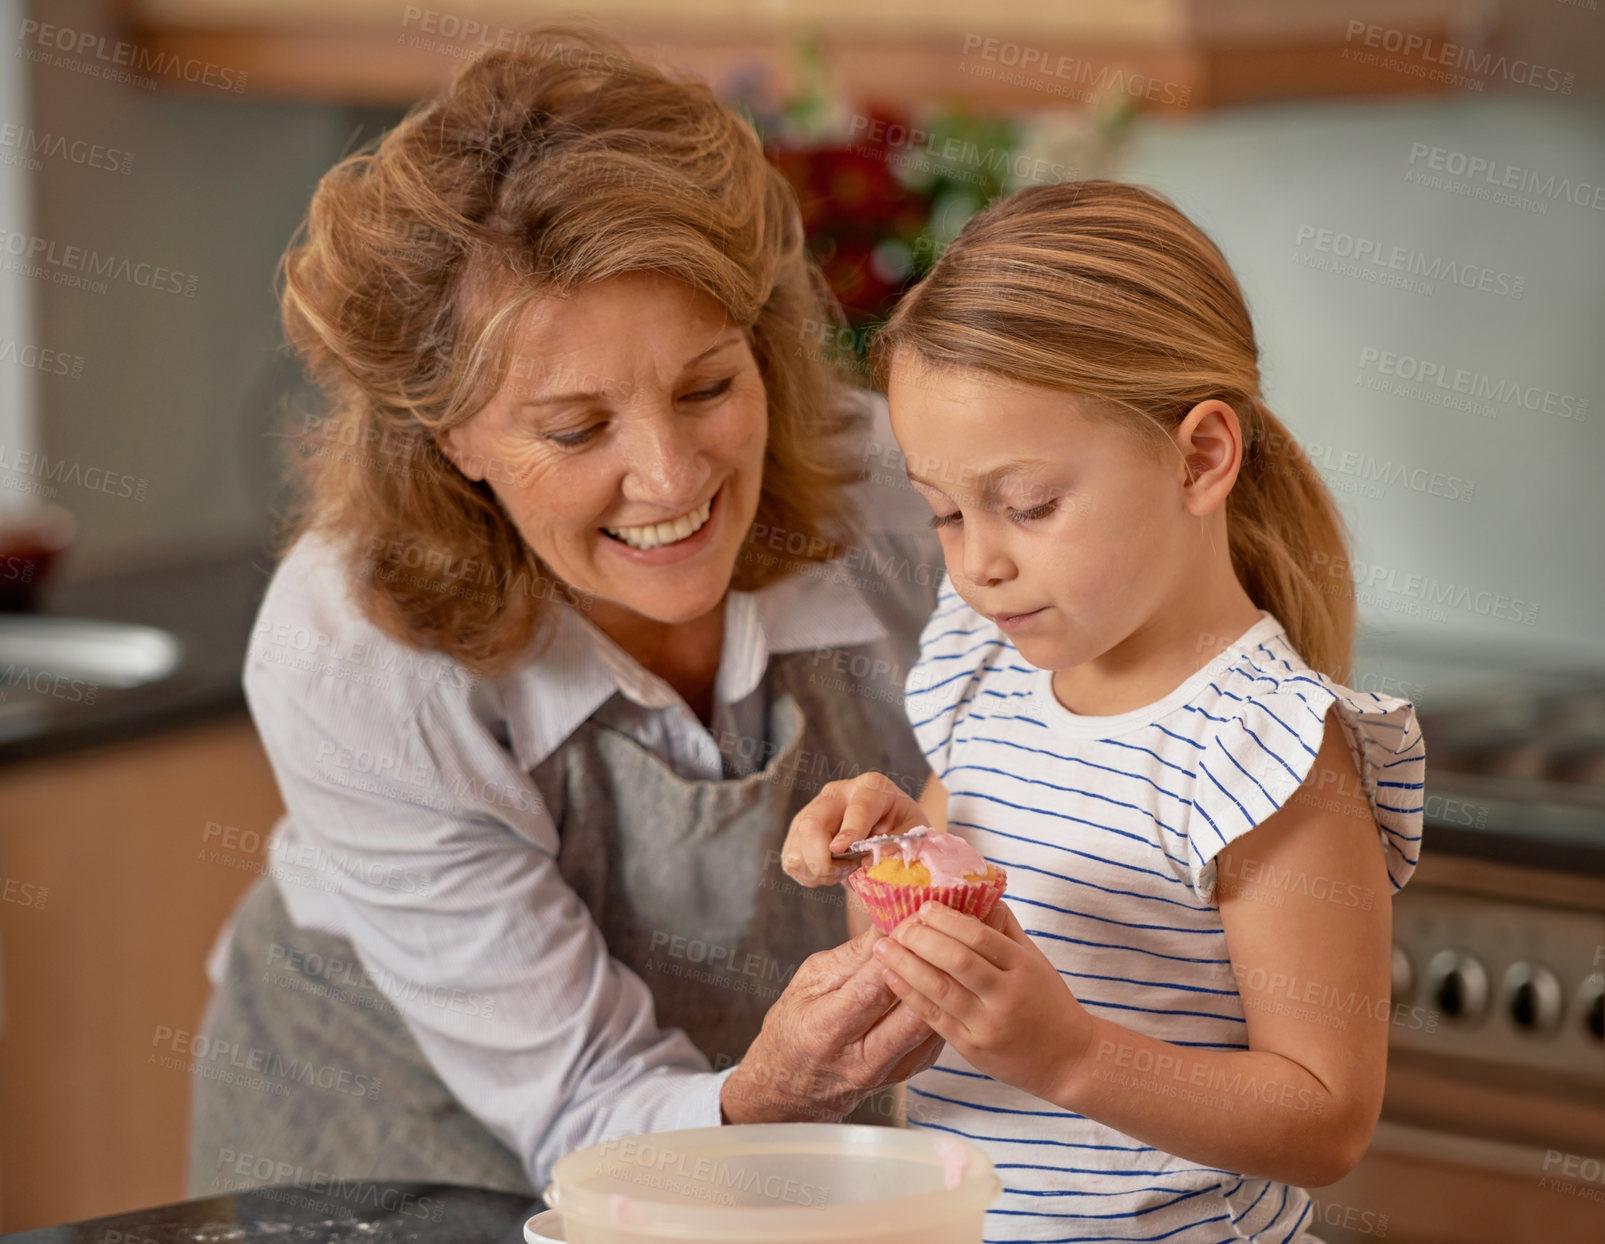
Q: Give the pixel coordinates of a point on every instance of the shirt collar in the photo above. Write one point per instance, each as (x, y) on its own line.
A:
(580, 667)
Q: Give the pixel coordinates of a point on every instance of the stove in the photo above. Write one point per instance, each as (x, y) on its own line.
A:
(1493, 1125)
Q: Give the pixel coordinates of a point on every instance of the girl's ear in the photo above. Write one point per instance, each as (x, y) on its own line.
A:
(1211, 443)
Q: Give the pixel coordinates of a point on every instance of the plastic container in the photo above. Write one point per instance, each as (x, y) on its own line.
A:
(779, 1183)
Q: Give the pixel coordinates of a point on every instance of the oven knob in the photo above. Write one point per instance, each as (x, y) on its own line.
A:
(1591, 1002)
(1533, 998)
(1403, 977)
(1458, 983)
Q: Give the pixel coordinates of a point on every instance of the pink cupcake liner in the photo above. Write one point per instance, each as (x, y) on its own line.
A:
(889, 905)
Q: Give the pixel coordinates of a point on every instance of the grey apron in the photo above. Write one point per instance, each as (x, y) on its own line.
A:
(682, 876)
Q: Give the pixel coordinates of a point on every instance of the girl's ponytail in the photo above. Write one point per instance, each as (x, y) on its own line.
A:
(1105, 290)
(1288, 544)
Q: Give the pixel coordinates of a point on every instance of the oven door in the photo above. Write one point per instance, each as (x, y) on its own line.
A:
(1420, 1186)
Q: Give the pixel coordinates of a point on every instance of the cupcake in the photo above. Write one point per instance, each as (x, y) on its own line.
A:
(897, 881)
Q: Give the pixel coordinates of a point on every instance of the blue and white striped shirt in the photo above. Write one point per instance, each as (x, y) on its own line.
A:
(1109, 828)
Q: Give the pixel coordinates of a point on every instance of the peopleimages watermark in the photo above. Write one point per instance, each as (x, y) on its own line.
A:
(1349, 1217)
(1416, 593)
(858, 673)
(39, 359)
(802, 768)
(924, 151)
(1574, 1174)
(40, 681)
(370, 662)
(30, 464)
(233, 847)
(1492, 180)
(1175, 1075)
(1442, 383)
(416, 780)
(63, 47)
(22, 145)
(1009, 62)
(1322, 1003)
(1400, 267)
(709, 963)
(83, 267)
(439, 570)
(649, 1162)
(23, 893)
(289, 967)
(435, 30)
(236, 1171)
(1423, 56)
(1237, 874)
(1364, 474)
(252, 1066)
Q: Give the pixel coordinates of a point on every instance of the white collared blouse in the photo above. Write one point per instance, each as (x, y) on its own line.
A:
(414, 829)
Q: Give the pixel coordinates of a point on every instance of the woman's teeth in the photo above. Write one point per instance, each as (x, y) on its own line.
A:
(653, 534)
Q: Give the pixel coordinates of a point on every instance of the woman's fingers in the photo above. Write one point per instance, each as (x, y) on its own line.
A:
(841, 814)
(872, 804)
(900, 1045)
(921, 1056)
(805, 854)
(836, 1033)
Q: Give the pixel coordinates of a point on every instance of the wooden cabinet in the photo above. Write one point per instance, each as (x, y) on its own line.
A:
(118, 866)
(1031, 54)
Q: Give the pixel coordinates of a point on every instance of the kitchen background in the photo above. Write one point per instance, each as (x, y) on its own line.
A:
(1422, 243)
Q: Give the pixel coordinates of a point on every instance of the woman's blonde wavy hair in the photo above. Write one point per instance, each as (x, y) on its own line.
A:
(558, 162)
(1103, 289)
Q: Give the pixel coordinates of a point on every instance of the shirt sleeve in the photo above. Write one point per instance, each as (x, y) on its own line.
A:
(1260, 755)
(957, 647)
(441, 859)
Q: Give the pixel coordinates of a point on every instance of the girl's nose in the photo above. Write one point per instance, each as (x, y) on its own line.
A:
(983, 558)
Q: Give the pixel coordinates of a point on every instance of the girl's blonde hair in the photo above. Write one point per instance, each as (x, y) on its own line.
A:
(1103, 289)
(560, 161)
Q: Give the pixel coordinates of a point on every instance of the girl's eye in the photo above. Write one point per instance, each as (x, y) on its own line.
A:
(711, 392)
(1035, 512)
(946, 520)
(572, 440)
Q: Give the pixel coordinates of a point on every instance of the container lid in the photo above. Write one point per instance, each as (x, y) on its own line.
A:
(545, 1228)
(774, 1182)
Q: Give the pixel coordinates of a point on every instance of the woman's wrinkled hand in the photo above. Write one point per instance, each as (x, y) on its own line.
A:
(835, 1035)
(841, 814)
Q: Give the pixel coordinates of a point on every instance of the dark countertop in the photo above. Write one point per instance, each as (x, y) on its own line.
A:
(335, 1213)
(210, 604)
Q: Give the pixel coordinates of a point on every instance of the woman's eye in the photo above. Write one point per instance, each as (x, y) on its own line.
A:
(711, 392)
(572, 440)
(1035, 512)
(946, 520)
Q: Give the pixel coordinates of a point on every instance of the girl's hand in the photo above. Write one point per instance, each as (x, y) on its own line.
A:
(841, 814)
(990, 993)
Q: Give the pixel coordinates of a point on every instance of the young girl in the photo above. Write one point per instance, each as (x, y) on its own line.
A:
(1131, 696)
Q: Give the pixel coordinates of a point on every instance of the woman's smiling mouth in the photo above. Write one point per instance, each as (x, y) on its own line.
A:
(653, 535)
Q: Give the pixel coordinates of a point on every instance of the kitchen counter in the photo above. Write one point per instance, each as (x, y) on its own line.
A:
(343, 1213)
(209, 604)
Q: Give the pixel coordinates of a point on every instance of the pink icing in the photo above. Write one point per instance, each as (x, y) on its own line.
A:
(622, 1211)
(955, 1161)
(948, 857)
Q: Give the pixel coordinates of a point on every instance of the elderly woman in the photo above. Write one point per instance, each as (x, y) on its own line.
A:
(582, 608)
